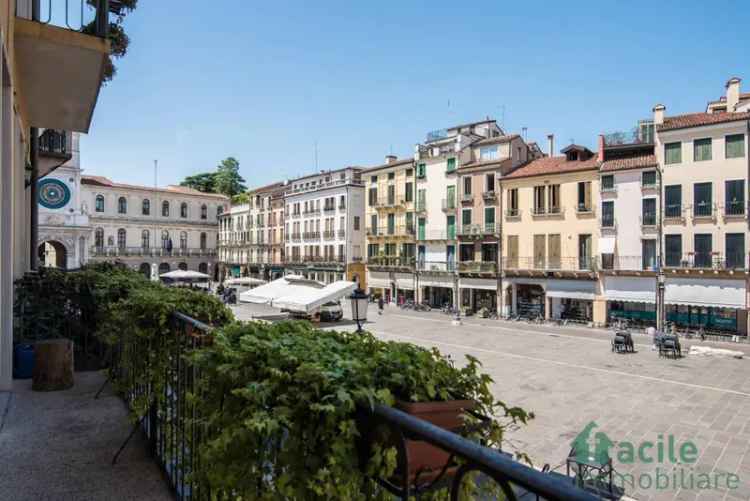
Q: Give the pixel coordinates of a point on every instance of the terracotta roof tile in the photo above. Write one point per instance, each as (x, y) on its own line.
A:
(485, 164)
(495, 140)
(698, 119)
(638, 162)
(184, 190)
(546, 166)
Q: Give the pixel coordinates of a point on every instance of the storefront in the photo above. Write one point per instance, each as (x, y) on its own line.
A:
(571, 300)
(478, 294)
(530, 300)
(436, 289)
(403, 287)
(379, 284)
(631, 298)
(714, 304)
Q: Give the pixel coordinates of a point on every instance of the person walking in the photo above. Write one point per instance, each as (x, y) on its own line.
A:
(380, 305)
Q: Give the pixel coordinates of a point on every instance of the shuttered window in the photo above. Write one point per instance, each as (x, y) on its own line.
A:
(735, 146)
(673, 153)
(702, 150)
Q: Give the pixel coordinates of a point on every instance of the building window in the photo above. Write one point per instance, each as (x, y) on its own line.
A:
(165, 239)
(203, 241)
(489, 181)
(703, 250)
(648, 212)
(183, 240)
(356, 224)
(702, 201)
(372, 197)
(467, 185)
(99, 205)
(391, 194)
(608, 183)
(451, 165)
(489, 219)
(145, 239)
(121, 238)
(146, 207)
(673, 200)
(219, 210)
(204, 212)
(648, 179)
(165, 208)
(608, 214)
(673, 153)
(513, 202)
(99, 238)
(391, 175)
(409, 172)
(183, 209)
(735, 146)
(554, 198)
(374, 224)
(702, 149)
(584, 196)
(409, 192)
(421, 170)
(648, 254)
(342, 202)
(735, 250)
(122, 205)
(391, 224)
(488, 153)
(673, 250)
(539, 200)
(734, 197)
(466, 217)
(584, 252)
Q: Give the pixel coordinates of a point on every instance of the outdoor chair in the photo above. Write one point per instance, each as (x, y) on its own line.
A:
(623, 342)
(669, 346)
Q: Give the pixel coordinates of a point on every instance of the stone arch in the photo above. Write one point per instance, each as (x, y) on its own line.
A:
(145, 269)
(182, 266)
(53, 254)
(164, 268)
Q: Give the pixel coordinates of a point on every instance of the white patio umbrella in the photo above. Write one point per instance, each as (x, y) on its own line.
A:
(185, 275)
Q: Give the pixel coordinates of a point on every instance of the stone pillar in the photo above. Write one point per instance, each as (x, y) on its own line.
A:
(600, 312)
(547, 307)
(513, 299)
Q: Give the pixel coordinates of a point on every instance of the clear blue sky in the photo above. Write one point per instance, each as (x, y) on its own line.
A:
(265, 81)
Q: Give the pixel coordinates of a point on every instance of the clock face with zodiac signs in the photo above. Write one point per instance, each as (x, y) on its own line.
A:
(53, 193)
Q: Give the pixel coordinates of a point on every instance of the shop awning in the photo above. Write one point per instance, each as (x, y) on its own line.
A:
(630, 289)
(309, 300)
(716, 292)
(478, 283)
(405, 281)
(571, 289)
(607, 245)
(379, 280)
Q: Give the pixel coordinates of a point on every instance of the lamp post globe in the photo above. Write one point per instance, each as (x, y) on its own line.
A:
(360, 301)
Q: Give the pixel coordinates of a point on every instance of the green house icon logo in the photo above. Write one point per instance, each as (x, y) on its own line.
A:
(589, 446)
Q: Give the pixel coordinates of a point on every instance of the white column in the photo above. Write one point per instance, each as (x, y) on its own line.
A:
(8, 177)
(513, 298)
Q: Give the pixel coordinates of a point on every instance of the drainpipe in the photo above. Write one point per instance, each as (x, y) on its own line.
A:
(34, 206)
(660, 278)
(500, 292)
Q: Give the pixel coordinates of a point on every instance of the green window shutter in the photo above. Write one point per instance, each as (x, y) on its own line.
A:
(451, 197)
(466, 217)
(702, 149)
(451, 164)
(735, 146)
(421, 196)
(451, 226)
(489, 215)
(673, 153)
(421, 228)
(421, 170)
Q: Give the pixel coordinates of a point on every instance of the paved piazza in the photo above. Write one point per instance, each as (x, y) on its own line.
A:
(569, 377)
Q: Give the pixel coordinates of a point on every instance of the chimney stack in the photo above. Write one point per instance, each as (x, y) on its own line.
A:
(659, 114)
(733, 93)
(551, 143)
(389, 159)
(600, 153)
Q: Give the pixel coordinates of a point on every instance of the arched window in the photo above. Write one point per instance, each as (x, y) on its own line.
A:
(99, 203)
(145, 239)
(182, 266)
(163, 268)
(146, 208)
(183, 209)
(183, 240)
(164, 239)
(219, 210)
(203, 241)
(99, 238)
(122, 205)
(110, 241)
(203, 268)
(204, 212)
(121, 238)
(165, 208)
(145, 270)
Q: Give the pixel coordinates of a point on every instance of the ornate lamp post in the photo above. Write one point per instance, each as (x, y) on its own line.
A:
(360, 301)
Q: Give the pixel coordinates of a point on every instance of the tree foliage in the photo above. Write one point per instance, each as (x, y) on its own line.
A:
(118, 39)
(228, 179)
(205, 182)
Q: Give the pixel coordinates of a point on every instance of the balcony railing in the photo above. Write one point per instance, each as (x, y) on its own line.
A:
(703, 209)
(735, 208)
(673, 211)
(637, 135)
(648, 219)
(54, 142)
(329, 235)
(73, 14)
(478, 230)
(549, 263)
(608, 223)
(115, 251)
(467, 198)
(437, 234)
(512, 213)
(386, 202)
(489, 195)
(448, 204)
(420, 206)
(584, 210)
(391, 231)
(391, 261)
(311, 235)
(311, 212)
(477, 267)
(329, 208)
(436, 266)
(707, 261)
(342, 233)
(296, 237)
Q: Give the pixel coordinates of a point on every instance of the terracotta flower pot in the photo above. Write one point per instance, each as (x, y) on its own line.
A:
(425, 460)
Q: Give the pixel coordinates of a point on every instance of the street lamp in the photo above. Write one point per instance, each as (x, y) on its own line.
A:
(660, 279)
(360, 300)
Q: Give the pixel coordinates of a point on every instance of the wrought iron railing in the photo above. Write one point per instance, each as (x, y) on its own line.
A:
(115, 251)
(76, 15)
(550, 263)
(53, 142)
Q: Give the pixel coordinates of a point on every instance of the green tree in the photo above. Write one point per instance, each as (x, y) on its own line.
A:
(228, 179)
(205, 182)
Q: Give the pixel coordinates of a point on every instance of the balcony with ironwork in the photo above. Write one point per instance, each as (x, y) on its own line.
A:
(329, 235)
(513, 214)
(543, 264)
(704, 211)
(61, 50)
(296, 237)
(437, 267)
(674, 214)
(467, 199)
(311, 235)
(113, 251)
(437, 235)
(391, 202)
(584, 210)
(392, 263)
(735, 209)
(707, 260)
(648, 221)
(420, 207)
(551, 212)
(641, 135)
(489, 195)
(395, 231)
(477, 267)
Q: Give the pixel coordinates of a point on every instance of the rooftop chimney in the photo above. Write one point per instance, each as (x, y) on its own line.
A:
(389, 159)
(551, 142)
(733, 93)
(600, 153)
(659, 114)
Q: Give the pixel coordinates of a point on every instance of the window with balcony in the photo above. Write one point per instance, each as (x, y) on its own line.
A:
(673, 250)
(489, 182)
(467, 185)
(584, 252)
(450, 224)
(702, 200)
(539, 200)
(421, 232)
(608, 214)
(648, 212)
(374, 224)
(513, 202)
(450, 197)
(421, 200)
(703, 250)
(146, 207)
(734, 197)
(702, 149)
(410, 223)
(451, 165)
(734, 146)
(608, 183)
(466, 217)
(121, 238)
(554, 260)
(466, 252)
(540, 252)
(489, 219)
(487, 153)
(553, 192)
(203, 240)
(673, 153)
(391, 224)
(648, 179)
(145, 239)
(391, 194)
(99, 204)
(673, 201)
(122, 205)
(648, 254)
(409, 192)
(735, 250)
